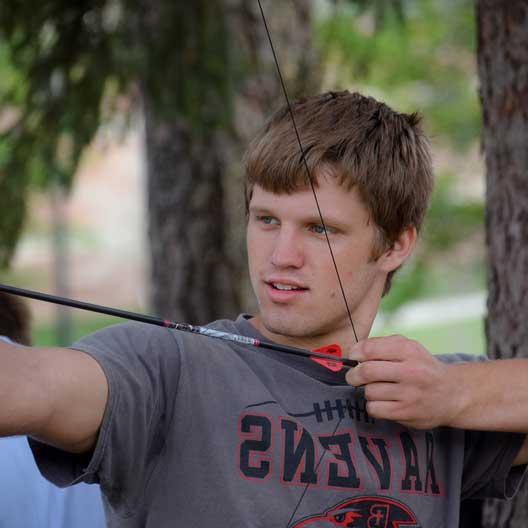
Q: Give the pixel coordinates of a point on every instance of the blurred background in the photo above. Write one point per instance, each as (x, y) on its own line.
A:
(123, 125)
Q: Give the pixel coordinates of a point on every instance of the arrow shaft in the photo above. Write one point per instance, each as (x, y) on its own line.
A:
(183, 327)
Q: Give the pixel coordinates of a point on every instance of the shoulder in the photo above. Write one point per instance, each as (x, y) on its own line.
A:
(129, 335)
(132, 353)
(129, 343)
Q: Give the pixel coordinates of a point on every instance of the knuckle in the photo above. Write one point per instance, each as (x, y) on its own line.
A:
(368, 348)
(352, 376)
(398, 340)
(402, 414)
(369, 392)
(368, 371)
(373, 410)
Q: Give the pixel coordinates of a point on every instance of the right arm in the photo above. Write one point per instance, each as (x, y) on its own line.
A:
(57, 395)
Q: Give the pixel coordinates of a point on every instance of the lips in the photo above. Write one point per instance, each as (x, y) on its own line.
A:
(283, 284)
(283, 290)
(285, 287)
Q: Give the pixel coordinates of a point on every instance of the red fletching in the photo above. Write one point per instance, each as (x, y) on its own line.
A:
(329, 350)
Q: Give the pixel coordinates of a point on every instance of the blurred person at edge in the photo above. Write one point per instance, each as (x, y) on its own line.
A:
(180, 430)
(27, 499)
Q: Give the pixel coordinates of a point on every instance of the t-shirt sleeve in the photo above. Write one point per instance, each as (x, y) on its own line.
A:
(488, 455)
(142, 366)
(488, 470)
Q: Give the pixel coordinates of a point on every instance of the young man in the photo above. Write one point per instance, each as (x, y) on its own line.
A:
(181, 430)
(27, 500)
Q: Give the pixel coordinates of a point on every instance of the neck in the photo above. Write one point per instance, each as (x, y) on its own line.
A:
(342, 335)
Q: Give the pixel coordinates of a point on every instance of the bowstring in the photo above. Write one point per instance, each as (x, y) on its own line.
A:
(305, 164)
(312, 186)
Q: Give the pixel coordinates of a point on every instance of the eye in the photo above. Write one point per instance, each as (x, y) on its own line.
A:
(319, 229)
(340, 517)
(266, 220)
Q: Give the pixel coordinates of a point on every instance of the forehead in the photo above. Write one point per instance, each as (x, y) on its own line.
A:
(337, 203)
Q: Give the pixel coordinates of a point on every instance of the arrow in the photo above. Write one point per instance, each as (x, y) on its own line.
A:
(327, 360)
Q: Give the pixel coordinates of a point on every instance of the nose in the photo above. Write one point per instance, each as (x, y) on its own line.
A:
(288, 249)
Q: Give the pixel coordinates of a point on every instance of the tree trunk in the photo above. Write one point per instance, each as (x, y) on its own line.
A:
(186, 112)
(194, 191)
(503, 70)
(192, 273)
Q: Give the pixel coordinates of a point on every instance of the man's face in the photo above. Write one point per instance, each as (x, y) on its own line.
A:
(291, 269)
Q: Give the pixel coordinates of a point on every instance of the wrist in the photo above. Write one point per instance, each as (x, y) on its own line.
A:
(458, 395)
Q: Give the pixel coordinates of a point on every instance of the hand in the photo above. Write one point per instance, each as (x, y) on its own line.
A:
(404, 383)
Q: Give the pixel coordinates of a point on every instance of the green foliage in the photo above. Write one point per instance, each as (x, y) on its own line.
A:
(56, 69)
(182, 56)
(417, 54)
(64, 66)
(449, 222)
(62, 55)
(420, 55)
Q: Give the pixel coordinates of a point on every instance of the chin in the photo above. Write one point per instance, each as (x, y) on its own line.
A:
(287, 326)
(276, 324)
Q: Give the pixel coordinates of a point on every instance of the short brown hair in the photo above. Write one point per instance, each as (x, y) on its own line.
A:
(15, 319)
(383, 153)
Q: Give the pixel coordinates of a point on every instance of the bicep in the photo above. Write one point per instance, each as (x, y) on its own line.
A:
(74, 391)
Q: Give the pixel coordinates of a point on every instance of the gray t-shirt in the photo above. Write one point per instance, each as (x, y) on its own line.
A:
(201, 432)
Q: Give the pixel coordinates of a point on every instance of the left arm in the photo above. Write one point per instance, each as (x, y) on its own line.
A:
(405, 383)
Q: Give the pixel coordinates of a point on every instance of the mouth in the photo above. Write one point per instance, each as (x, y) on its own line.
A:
(283, 291)
(285, 287)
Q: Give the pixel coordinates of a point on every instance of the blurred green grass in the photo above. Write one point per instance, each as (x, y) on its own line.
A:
(466, 335)
(45, 335)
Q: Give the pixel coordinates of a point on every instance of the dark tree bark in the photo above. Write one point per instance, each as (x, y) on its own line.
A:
(194, 191)
(193, 274)
(503, 70)
(191, 269)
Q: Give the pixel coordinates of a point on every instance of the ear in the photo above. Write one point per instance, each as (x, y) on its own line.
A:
(400, 250)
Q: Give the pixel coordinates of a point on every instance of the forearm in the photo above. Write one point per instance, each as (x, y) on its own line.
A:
(490, 395)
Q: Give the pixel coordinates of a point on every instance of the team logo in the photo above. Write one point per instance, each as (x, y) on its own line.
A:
(364, 512)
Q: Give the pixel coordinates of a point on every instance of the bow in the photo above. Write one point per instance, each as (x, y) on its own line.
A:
(312, 187)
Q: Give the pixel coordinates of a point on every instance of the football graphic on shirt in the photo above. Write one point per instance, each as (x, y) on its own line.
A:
(363, 512)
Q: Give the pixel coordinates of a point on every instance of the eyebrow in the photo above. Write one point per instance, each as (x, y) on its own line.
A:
(309, 218)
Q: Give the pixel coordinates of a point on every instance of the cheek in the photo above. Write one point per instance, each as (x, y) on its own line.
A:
(356, 272)
(256, 248)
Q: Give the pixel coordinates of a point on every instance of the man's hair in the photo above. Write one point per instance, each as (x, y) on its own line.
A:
(364, 143)
(15, 319)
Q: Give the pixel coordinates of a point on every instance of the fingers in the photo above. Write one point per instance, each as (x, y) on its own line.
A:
(390, 348)
(374, 371)
(383, 392)
(402, 381)
(384, 410)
